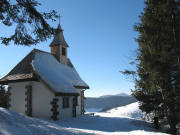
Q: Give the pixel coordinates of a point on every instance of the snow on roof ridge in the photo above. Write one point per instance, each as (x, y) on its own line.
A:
(60, 77)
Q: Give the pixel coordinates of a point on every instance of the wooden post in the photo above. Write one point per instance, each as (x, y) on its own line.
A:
(82, 102)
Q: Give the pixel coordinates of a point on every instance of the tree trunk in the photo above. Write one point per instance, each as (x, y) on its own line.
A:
(156, 122)
(173, 129)
(172, 123)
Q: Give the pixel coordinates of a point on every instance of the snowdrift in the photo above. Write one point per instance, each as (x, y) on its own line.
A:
(118, 121)
(12, 123)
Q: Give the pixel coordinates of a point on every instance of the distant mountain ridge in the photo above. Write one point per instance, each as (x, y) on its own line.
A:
(121, 94)
(107, 102)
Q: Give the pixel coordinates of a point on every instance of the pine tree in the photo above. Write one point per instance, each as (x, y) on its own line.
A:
(31, 25)
(3, 97)
(158, 84)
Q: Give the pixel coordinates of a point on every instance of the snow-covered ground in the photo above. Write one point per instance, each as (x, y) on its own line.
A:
(90, 110)
(118, 121)
(129, 111)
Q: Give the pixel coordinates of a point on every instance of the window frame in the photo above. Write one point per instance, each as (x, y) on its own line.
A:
(75, 100)
(65, 102)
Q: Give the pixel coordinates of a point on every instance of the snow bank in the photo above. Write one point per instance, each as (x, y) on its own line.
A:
(59, 77)
(132, 111)
(118, 121)
(12, 123)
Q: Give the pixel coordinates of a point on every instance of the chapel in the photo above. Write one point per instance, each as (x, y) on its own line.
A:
(46, 84)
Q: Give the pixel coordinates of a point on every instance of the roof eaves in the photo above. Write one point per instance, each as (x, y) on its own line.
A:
(81, 87)
(18, 78)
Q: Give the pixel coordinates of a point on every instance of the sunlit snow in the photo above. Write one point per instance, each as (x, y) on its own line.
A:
(58, 76)
(118, 121)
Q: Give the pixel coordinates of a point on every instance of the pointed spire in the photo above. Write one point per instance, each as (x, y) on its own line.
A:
(59, 38)
(59, 29)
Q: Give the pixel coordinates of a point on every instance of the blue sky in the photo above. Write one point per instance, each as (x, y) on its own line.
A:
(101, 39)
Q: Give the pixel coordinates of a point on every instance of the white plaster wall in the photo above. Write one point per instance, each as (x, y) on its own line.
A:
(65, 112)
(41, 98)
(18, 96)
(78, 108)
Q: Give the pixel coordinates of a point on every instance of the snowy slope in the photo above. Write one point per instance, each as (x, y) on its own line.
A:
(109, 102)
(118, 121)
(12, 123)
(128, 111)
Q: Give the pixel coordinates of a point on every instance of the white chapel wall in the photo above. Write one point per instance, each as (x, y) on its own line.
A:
(18, 96)
(78, 108)
(65, 112)
(41, 98)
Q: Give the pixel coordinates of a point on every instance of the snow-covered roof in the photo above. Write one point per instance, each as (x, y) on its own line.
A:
(42, 65)
(60, 77)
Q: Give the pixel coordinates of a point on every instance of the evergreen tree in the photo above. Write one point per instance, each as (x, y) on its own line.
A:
(3, 97)
(31, 25)
(158, 83)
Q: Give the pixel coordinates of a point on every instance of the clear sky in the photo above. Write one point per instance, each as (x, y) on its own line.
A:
(101, 41)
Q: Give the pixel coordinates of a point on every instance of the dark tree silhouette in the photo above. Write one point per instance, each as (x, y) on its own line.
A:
(3, 97)
(31, 25)
(157, 86)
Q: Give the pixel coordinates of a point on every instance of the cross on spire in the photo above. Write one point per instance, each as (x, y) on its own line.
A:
(59, 17)
(59, 37)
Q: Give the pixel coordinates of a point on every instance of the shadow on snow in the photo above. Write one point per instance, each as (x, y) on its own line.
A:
(106, 124)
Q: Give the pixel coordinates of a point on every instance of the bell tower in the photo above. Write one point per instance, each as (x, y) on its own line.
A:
(59, 46)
